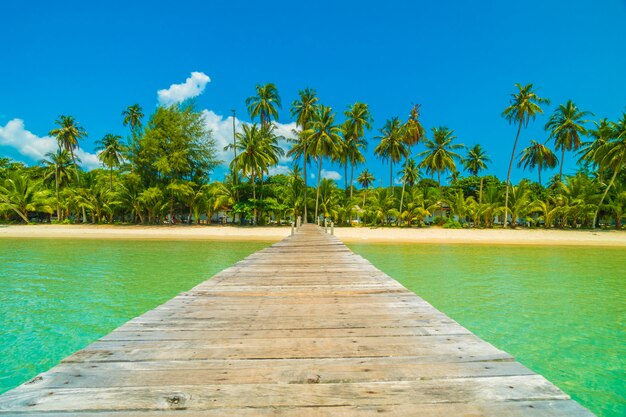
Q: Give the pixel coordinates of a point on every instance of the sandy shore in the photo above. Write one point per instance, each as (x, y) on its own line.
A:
(357, 234)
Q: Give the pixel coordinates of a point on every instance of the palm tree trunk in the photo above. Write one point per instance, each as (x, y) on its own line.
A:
(480, 192)
(305, 187)
(345, 177)
(403, 187)
(391, 175)
(15, 209)
(539, 172)
(56, 185)
(317, 196)
(254, 195)
(351, 179)
(111, 178)
(606, 191)
(508, 175)
(561, 169)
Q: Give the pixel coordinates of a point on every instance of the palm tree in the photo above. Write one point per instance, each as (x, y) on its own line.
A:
(264, 103)
(132, 118)
(523, 107)
(413, 132)
(258, 150)
(365, 179)
(602, 133)
(537, 155)
(612, 155)
(358, 118)
(409, 174)
(324, 138)
(59, 165)
(439, 155)
(303, 110)
(111, 154)
(23, 195)
(68, 133)
(474, 162)
(566, 127)
(392, 146)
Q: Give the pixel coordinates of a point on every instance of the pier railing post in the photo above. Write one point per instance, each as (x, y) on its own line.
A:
(332, 228)
(292, 229)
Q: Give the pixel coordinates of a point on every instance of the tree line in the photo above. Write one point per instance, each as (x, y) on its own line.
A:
(161, 172)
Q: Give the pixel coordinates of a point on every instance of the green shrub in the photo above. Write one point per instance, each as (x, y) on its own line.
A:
(452, 224)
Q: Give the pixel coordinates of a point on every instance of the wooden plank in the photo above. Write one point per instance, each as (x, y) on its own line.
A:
(302, 328)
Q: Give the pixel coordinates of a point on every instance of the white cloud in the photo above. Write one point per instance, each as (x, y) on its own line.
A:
(192, 87)
(331, 175)
(15, 135)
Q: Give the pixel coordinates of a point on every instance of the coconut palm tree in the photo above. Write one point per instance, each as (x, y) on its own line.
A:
(58, 165)
(365, 179)
(358, 118)
(439, 155)
(612, 155)
(537, 155)
(523, 107)
(264, 103)
(413, 132)
(68, 133)
(392, 146)
(303, 110)
(132, 118)
(110, 154)
(23, 195)
(474, 162)
(566, 126)
(602, 133)
(324, 140)
(258, 150)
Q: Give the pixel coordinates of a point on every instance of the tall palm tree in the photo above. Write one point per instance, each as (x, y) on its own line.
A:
(258, 150)
(566, 127)
(365, 179)
(537, 155)
(264, 103)
(132, 118)
(59, 165)
(612, 155)
(111, 154)
(413, 132)
(324, 139)
(68, 133)
(304, 110)
(358, 118)
(392, 146)
(524, 106)
(474, 162)
(602, 133)
(439, 155)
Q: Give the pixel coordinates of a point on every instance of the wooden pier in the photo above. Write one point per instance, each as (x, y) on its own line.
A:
(302, 328)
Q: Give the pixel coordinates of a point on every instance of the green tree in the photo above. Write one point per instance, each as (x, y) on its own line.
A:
(110, 154)
(612, 155)
(59, 165)
(365, 180)
(264, 104)
(523, 107)
(537, 155)
(392, 146)
(439, 155)
(566, 126)
(68, 133)
(23, 195)
(324, 138)
(358, 119)
(474, 162)
(133, 116)
(304, 110)
(413, 132)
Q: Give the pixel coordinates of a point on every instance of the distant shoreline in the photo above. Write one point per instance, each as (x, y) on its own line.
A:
(432, 235)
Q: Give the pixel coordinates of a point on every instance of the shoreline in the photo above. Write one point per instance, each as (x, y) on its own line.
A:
(433, 235)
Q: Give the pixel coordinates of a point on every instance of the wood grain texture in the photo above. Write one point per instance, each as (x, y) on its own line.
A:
(302, 328)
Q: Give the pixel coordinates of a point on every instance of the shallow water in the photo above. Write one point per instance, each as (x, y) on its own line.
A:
(57, 296)
(561, 311)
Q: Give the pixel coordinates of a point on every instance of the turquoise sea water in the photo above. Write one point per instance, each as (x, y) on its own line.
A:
(561, 311)
(57, 296)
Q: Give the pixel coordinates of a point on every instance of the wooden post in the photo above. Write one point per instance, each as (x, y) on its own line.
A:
(299, 222)
(332, 228)
(292, 229)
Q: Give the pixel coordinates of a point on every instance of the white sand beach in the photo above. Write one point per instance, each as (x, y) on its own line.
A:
(355, 234)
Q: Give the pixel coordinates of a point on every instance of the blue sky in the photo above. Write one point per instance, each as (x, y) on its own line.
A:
(458, 59)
